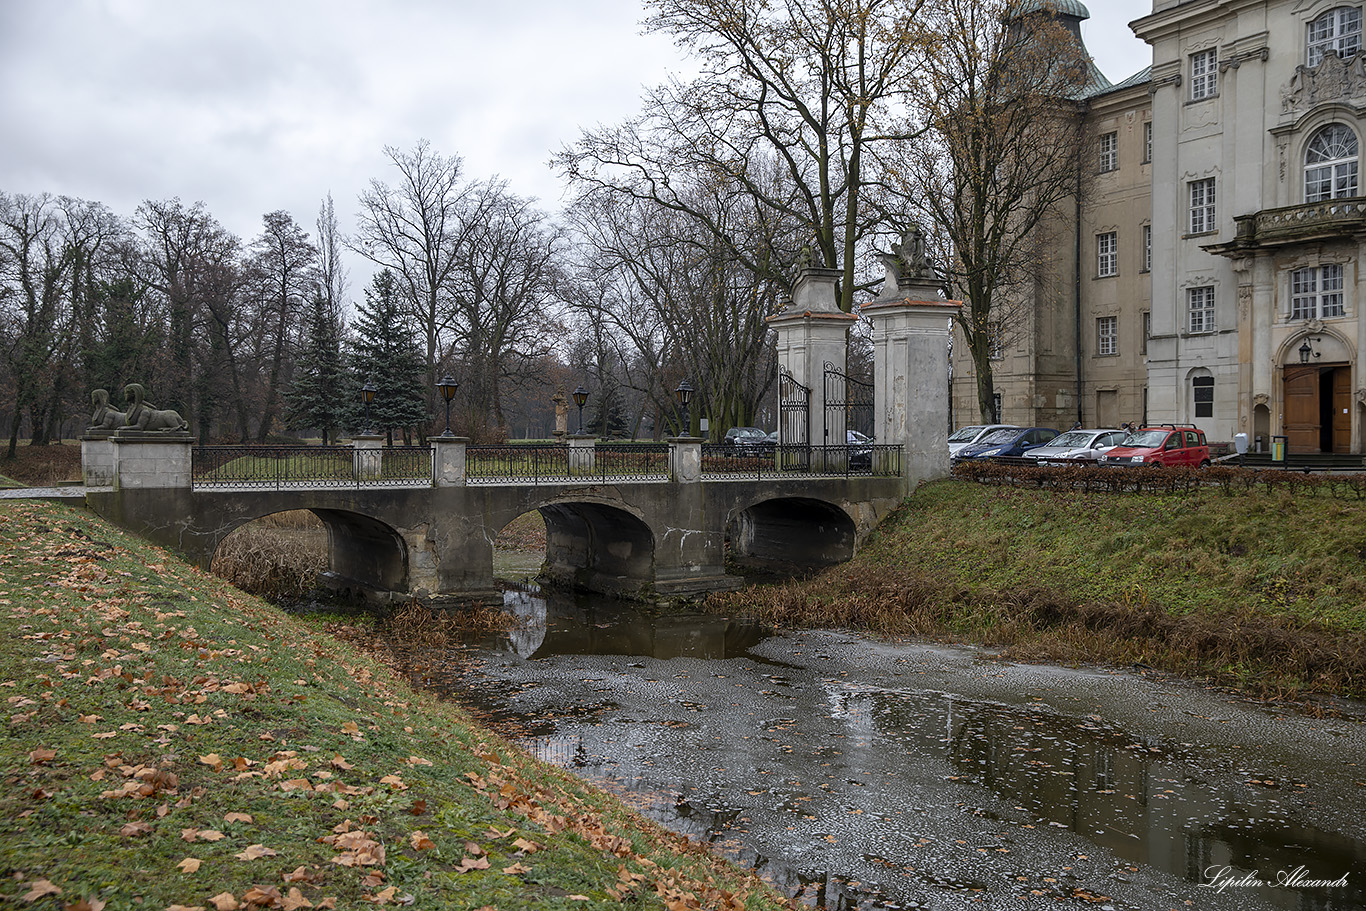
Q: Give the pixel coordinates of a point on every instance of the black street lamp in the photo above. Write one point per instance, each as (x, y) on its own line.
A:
(1307, 351)
(684, 395)
(367, 395)
(447, 385)
(580, 398)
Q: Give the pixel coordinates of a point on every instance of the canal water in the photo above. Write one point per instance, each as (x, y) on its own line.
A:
(861, 774)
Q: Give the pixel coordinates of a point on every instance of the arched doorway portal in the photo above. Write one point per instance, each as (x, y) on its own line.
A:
(1316, 394)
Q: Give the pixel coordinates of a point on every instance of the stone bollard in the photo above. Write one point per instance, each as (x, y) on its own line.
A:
(367, 461)
(448, 458)
(582, 455)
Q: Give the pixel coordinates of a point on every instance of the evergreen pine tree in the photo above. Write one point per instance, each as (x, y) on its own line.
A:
(321, 392)
(384, 351)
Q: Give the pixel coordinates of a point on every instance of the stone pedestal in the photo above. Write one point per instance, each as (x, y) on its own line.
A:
(685, 459)
(97, 459)
(368, 458)
(812, 331)
(150, 459)
(911, 332)
(448, 458)
(581, 455)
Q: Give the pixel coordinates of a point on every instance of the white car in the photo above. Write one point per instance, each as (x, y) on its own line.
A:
(1079, 445)
(966, 436)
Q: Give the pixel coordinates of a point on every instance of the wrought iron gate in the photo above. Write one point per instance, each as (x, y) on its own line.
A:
(794, 422)
(848, 406)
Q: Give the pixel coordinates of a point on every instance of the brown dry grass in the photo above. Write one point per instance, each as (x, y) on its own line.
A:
(44, 466)
(416, 622)
(278, 562)
(526, 532)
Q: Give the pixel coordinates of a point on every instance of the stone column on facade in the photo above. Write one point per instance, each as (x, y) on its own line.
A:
(367, 460)
(151, 459)
(813, 331)
(97, 459)
(911, 332)
(582, 454)
(685, 459)
(448, 461)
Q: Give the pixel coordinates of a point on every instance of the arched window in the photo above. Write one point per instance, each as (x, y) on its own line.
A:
(1330, 164)
(1336, 30)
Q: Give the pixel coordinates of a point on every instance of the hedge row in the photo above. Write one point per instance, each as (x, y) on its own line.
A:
(1156, 479)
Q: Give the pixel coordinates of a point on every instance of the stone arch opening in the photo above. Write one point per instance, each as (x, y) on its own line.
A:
(350, 554)
(792, 533)
(599, 547)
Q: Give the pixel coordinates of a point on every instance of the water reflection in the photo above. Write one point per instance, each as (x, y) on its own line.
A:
(851, 789)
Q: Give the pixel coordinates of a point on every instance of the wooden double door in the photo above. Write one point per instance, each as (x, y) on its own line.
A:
(1318, 407)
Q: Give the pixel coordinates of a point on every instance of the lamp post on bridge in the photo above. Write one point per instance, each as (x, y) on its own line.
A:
(684, 395)
(580, 399)
(367, 394)
(447, 385)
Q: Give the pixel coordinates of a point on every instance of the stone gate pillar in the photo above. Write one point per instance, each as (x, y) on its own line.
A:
(448, 455)
(911, 332)
(151, 459)
(811, 331)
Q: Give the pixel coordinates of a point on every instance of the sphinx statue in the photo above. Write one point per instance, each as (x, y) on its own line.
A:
(142, 415)
(105, 417)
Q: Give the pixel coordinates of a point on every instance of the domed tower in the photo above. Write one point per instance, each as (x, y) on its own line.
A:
(1068, 14)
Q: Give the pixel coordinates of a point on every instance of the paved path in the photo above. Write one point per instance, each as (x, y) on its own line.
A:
(45, 493)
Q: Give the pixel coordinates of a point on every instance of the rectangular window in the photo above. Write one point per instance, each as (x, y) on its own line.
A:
(1107, 335)
(1202, 206)
(1147, 248)
(1107, 254)
(1202, 392)
(1336, 30)
(996, 346)
(1204, 74)
(1109, 152)
(1147, 331)
(1147, 141)
(1316, 292)
(1200, 305)
(996, 407)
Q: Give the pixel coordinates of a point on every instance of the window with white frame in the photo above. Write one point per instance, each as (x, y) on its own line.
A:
(1147, 248)
(1204, 74)
(1202, 206)
(1147, 331)
(1107, 254)
(1202, 394)
(1316, 292)
(1200, 309)
(1147, 141)
(1336, 30)
(1107, 335)
(1109, 152)
(996, 345)
(1330, 164)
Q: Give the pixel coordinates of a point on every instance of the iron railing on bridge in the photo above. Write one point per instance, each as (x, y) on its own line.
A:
(538, 463)
(310, 466)
(871, 460)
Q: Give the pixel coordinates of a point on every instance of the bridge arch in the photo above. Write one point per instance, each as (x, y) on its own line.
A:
(367, 558)
(597, 543)
(791, 533)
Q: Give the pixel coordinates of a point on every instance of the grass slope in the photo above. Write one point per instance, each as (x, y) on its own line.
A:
(172, 743)
(1263, 590)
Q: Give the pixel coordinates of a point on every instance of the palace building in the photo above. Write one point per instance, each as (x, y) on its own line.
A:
(1208, 271)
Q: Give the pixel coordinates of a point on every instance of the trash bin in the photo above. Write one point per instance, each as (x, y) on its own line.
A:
(1278, 445)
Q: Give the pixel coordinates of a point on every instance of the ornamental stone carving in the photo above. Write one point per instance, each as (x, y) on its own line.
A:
(1333, 79)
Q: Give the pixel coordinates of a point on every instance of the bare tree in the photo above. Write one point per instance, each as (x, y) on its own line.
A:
(1002, 100)
(813, 85)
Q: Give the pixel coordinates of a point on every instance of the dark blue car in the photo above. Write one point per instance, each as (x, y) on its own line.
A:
(1012, 441)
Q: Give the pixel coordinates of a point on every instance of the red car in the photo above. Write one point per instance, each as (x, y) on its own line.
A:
(1165, 444)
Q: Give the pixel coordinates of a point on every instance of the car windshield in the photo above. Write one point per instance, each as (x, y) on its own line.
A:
(1001, 436)
(966, 434)
(1073, 439)
(1146, 439)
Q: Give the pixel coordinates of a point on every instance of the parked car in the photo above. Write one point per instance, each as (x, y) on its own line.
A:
(747, 440)
(1165, 444)
(973, 433)
(1008, 441)
(1078, 445)
(860, 449)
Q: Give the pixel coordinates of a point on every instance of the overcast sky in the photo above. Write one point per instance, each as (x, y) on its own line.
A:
(258, 105)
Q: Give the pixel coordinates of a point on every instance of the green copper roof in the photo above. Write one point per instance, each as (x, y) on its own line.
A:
(1060, 7)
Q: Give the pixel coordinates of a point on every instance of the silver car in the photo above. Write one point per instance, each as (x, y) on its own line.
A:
(1078, 445)
(973, 433)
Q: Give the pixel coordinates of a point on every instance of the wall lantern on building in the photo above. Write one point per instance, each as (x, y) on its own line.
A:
(580, 398)
(367, 395)
(447, 385)
(1307, 351)
(684, 395)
